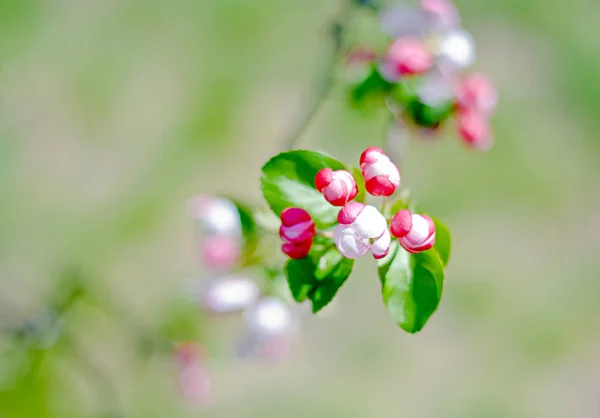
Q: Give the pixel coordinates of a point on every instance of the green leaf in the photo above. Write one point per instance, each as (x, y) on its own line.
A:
(395, 207)
(429, 116)
(318, 278)
(329, 285)
(327, 263)
(246, 219)
(300, 277)
(360, 183)
(182, 322)
(288, 181)
(370, 89)
(443, 241)
(405, 91)
(411, 286)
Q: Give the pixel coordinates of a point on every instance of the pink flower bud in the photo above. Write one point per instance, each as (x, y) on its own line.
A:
(362, 228)
(271, 316)
(338, 187)
(297, 251)
(381, 174)
(474, 130)
(194, 379)
(220, 251)
(443, 13)
(269, 329)
(477, 93)
(415, 233)
(297, 231)
(408, 56)
(401, 223)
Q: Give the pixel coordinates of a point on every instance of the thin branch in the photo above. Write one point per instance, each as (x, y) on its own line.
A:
(325, 83)
(107, 388)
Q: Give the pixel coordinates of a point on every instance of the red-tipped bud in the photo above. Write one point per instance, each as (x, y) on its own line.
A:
(401, 223)
(477, 93)
(338, 187)
(297, 250)
(407, 56)
(415, 233)
(362, 227)
(297, 231)
(474, 130)
(381, 174)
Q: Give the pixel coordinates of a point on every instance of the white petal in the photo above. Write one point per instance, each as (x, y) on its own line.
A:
(229, 294)
(346, 177)
(382, 245)
(394, 175)
(379, 168)
(401, 20)
(348, 243)
(270, 316)
(419, 231)
(435, 89)
(221, 217)
(293, 232)
(458, 48)
(370, 223)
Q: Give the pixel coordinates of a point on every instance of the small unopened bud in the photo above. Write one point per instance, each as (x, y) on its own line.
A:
(361, 228)
(338, 187)
(477, 93)
(230, 294)
(216, 215)
(193, 377)
(474, 130)
(408, 56)
(271, 316)
(297, 231)
(415, 233)
(220, 251)
(381, 174)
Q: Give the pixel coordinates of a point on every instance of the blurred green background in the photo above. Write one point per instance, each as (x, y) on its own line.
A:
(114, 112)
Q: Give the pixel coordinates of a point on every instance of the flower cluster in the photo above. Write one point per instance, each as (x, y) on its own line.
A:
(219, 222)
(361, 228)
(269, 321)
(420, 73)
(193, 377)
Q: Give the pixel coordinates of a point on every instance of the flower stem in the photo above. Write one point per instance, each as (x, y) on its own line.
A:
(325, 83)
